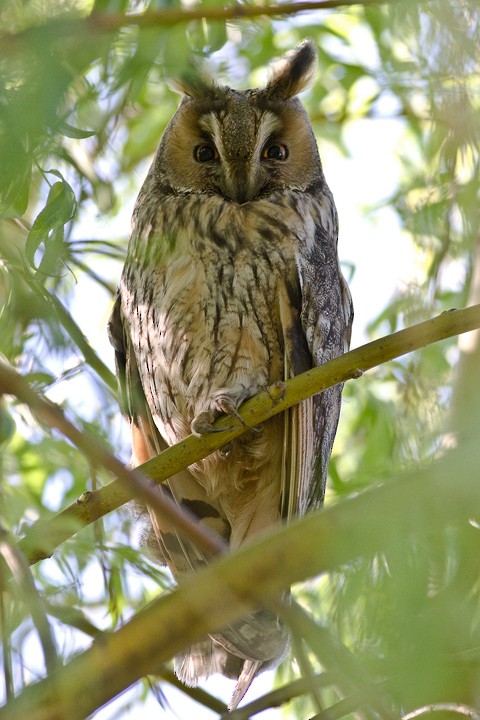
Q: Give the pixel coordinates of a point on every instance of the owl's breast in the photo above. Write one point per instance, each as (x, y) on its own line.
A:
(206, 318)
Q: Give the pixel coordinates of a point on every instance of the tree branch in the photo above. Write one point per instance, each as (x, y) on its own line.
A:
(104, 23)
(44, 536)
(233, 585)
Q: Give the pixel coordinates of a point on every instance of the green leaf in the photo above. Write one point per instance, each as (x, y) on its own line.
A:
(16, 166)
(48, 226)
(75, 133)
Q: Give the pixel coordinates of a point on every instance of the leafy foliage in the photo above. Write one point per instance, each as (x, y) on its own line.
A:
(84, 97)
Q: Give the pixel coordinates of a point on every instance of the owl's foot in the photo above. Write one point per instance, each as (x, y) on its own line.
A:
(229, 407)
(223, 404)
(202, 424)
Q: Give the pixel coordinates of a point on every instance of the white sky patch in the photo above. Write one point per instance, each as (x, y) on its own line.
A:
(383, 255)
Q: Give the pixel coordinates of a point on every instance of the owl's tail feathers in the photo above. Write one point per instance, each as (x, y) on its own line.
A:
(242, 651)
(249, 671)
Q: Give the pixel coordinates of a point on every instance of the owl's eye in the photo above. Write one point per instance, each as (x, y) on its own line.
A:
(275, 152)
(205, 153)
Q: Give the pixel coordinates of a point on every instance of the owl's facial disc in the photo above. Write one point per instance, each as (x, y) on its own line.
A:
(242, 150)
(240, 145)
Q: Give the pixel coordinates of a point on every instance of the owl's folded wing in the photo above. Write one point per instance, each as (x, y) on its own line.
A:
(316, 328)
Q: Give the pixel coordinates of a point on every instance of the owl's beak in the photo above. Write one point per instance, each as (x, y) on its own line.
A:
(242, 183)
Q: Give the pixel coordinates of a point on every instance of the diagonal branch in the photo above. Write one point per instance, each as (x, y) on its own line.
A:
(44, 537)
(280, 696)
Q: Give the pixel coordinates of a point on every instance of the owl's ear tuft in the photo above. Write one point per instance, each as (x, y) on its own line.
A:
(193, 84)
(294, 71)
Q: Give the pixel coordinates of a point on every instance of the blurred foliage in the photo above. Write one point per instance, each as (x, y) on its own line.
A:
(81, 112)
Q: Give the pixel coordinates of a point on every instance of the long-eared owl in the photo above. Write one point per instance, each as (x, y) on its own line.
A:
(232, 282)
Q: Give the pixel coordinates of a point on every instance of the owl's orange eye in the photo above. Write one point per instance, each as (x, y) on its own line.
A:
(275, 152)
(205, 153)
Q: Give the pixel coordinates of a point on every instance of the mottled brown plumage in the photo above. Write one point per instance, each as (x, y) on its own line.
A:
(232, 282)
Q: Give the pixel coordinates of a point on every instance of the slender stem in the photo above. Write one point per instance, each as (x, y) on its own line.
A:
(6, 648)
(464, 710)
(281, 695)
(195, 693)
(21, 573)
(331, 653)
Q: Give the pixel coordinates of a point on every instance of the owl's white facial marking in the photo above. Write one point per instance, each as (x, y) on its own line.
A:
(241, 170)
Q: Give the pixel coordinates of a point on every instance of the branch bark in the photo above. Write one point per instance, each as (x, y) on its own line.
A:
(43, 537)
(233, 585)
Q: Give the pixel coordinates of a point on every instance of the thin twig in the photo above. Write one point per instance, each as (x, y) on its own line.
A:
(281, 696)
(6, 649)
(353, 682)
(197, 694)
(305, 667)
(22, 575)
(43, 537)
(345, 706)
(72, 616)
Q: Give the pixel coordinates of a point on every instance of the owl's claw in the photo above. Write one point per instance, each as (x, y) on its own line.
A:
(228, 406)
(203, 422)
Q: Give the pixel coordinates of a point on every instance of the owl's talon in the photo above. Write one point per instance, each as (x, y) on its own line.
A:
(202, 424)
(228, 407)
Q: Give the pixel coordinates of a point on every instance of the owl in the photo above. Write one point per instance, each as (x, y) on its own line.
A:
(232, 282)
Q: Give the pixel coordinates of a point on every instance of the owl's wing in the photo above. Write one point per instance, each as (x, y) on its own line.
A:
(317, 328)
(132, 397)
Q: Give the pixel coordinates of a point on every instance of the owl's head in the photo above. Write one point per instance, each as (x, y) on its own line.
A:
(242, 145)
